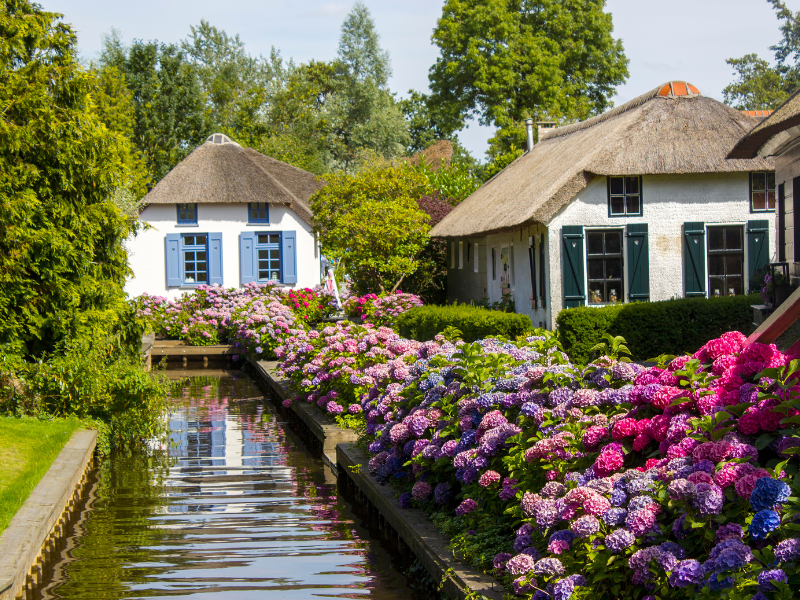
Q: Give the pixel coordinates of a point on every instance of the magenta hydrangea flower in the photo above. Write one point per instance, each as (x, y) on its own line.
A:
(489, 478)
(467, 506)
(421, 491)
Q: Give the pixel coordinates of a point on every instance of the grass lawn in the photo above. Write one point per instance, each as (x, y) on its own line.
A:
(27, 449)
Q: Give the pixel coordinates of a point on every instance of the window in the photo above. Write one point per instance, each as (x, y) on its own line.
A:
(194, 255)
(762, 191)
(268, 256)
(476, 254)
(494, 265)
(187, 214)
(460, 255)
(604, 260)
(452, 255)
(725, 261)
(258, 212)
(625, 196)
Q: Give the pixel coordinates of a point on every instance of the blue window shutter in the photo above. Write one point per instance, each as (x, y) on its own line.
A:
(247, 253)
(172, 244)
(289, 257)
(215, 258)
(694, 258)
(757, 253)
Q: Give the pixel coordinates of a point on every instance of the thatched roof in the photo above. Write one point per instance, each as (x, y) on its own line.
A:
(439, 154)
(672, 129)
(223, 171)
(767, 138)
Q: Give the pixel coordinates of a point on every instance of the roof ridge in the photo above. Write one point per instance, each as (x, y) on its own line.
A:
(609, 114)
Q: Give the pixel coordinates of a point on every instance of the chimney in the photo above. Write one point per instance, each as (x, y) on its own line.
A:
(529, 129)
(543, 128)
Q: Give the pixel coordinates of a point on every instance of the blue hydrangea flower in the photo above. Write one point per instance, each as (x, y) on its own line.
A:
(764, 522)
(765, 579)
(768, 492)
(687, 572)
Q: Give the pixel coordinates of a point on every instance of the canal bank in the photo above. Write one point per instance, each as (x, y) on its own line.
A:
(30, 540)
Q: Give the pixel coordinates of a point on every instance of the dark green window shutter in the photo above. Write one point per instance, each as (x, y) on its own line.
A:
(638, 263)
(757, 253)
(574, 294)
(694, 258)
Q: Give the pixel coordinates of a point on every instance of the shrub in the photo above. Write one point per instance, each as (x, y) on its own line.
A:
(423, 323)
(653, 328)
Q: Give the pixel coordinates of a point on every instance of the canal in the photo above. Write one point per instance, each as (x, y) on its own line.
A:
(236, 507)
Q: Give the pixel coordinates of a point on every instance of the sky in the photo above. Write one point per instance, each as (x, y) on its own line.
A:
(663, 39)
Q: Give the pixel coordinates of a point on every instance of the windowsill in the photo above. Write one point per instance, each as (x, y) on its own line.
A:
(755, 211)
(187, 225)
(258, 224)
(610, 216)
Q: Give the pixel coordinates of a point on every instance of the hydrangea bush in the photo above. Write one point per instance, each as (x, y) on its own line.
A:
(609, 480)
(380, 310)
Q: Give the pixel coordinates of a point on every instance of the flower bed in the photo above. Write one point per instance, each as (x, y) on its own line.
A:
(256, 317)
(380, 310)
(610, 480)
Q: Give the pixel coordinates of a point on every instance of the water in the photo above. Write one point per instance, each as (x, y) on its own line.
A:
(239, 509)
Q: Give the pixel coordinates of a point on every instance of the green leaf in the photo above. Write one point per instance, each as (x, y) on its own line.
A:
(764, 440)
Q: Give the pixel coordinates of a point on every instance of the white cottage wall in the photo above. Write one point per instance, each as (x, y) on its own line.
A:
(146, 250)
(668, 201)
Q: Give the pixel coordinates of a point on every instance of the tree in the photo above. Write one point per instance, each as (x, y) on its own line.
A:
(62, 259)
(505, 60)
(759, 85)
(170, 117)
(371, 222)
(362, 112)
(229, 76)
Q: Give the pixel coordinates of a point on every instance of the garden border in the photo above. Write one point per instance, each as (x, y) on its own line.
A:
(412, 525)
(29, 540)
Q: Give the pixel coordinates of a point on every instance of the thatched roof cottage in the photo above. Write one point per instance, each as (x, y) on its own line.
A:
(639, 203)
(228, 215)
(777, 136)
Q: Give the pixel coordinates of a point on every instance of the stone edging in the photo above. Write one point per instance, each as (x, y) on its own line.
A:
(412, 525)
(27, 541)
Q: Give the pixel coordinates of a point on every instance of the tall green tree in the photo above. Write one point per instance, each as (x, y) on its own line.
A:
(170, 116)
(760, 85)
(62, 259)
(505, 60)
(231, 78)
(362, 111)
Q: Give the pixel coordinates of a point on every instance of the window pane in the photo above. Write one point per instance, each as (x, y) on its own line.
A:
(760, 200)
(263, 254)
(275, 275)
(201, 278)
(716, 287)
(596, 269)
(594, 242)
(615, 185)
(263, 274)
(253, 213)
(596, 293)
(733, 265)
(759, 181)
(200, 240)
(614, 268)
(613, 242)
(274, 238)
(733, 238)
(716, 238)
(617, 205)
(263, 238)
(631, 185)
(201, 256)
(634, 207)
(734, 287)
(771, 200)
(274, 254)
(189, 267)
(770, 181)
(614, 293)
(716, 264)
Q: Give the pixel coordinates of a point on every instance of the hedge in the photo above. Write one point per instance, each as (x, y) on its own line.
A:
(654, 328)
(424, 322)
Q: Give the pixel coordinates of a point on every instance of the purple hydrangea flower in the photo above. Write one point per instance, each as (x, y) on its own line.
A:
(500, 561)
(788, 550)
(563, 589)
(729, 531)
(442, 493)
(585, 526)
(708, 498)
(619, 539)
(548, 566)
(614, 516)
(765, 579)
(405, 500)
(466, 507)
(520, 564)
(686, 572)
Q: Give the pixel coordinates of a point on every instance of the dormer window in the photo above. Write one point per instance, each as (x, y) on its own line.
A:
(258, 212)
(187, 214)
(762, 191)
(625, 196)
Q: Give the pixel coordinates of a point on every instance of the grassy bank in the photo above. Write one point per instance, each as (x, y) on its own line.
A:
(27, 449)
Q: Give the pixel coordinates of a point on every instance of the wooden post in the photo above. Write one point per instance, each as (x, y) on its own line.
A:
(778, 322)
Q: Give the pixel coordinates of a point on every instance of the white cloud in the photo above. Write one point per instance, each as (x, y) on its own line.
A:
(330, 10)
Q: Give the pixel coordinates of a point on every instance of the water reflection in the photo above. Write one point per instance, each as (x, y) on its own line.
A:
(237, 510)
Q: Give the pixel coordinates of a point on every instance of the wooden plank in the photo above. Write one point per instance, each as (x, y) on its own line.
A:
(778, 322)
(217, 350)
